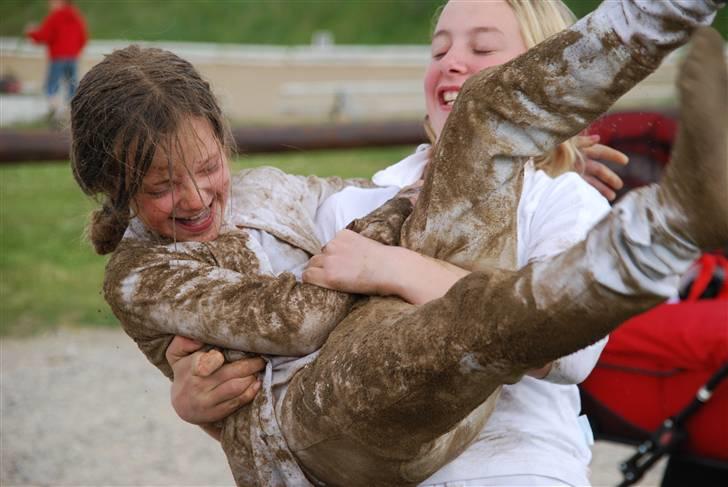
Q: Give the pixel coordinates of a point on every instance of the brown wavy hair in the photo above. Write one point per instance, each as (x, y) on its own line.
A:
(126, 108)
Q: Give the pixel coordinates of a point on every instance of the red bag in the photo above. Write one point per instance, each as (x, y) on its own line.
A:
(654, 364)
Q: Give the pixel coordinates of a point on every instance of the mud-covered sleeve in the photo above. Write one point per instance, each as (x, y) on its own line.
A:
(157, 291)
(524, 108)
(554, 90)
(385, 223)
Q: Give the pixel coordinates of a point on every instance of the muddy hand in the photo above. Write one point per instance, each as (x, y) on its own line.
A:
(412, 192)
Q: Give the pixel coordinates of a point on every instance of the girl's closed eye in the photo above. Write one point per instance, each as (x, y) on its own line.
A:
(483, 51)
(487, 42)
(439, 53)
(485, 46)
(158, 190)
(211, 166)
(440, 46)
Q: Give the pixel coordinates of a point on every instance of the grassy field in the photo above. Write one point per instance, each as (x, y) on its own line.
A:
(49, 275)
(284, 22)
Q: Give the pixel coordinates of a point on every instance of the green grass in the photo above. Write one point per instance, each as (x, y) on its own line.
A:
(50, 276)
(283, 22)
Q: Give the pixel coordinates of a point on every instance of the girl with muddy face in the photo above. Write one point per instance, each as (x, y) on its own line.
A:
(155, 149)
(182, 199)
(396, 391)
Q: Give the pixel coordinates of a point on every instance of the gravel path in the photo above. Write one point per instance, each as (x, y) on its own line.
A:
(83, 407)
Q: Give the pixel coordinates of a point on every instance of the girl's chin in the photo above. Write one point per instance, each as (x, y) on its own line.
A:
(207, 235)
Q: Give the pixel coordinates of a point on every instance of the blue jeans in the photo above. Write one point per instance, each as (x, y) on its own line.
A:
(61, 69)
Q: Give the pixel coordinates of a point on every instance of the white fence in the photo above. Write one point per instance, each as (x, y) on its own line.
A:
(300, 83)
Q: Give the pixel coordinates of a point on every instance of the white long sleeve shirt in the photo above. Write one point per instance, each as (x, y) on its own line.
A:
(535, 429)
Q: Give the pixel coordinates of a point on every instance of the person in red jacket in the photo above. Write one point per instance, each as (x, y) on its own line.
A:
(64, 32)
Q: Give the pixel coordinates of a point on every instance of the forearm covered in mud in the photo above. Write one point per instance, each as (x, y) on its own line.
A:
(385, 223)
(174, 293)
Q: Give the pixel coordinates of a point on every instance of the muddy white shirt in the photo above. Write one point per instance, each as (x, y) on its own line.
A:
(535, 428)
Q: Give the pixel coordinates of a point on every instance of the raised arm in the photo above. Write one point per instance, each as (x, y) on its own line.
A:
(527, 106)
(555, 89)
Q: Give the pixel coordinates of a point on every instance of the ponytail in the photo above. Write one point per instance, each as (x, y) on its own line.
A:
(106, 229)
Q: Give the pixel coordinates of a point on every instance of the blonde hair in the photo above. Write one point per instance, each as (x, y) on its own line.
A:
(538, 20)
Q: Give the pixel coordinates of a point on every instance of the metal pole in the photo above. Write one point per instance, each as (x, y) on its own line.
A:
(27, 146)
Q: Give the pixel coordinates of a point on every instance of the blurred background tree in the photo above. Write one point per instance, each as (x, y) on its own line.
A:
(283, 22)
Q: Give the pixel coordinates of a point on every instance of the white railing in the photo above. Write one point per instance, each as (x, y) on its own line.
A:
(407, 55)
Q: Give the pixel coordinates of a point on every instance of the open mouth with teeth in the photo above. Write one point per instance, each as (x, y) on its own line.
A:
(447, 97)
(196, 223)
